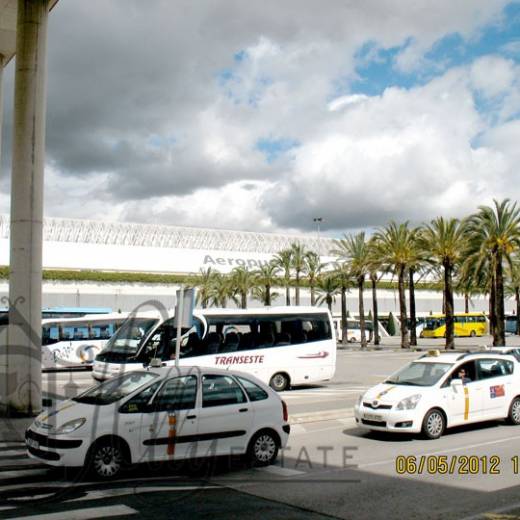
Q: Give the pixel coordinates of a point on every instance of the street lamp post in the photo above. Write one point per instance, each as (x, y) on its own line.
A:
(318, 221)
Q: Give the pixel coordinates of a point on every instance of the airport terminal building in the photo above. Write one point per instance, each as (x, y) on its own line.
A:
(71, 244)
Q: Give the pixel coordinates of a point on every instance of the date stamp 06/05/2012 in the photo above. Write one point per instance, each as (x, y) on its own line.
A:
(455, 465)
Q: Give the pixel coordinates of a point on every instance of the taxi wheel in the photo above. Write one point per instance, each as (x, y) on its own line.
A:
(433, 424)
(514, 411)
(263, 449)
(279, 382)
(107, 459)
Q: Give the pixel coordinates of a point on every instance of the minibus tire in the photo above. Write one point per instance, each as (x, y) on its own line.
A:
(279, 382)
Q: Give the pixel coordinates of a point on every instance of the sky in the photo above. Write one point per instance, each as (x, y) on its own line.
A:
(262, 116)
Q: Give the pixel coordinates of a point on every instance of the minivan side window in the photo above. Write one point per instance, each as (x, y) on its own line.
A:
(178, 393)
(218, 390)
(253, 391)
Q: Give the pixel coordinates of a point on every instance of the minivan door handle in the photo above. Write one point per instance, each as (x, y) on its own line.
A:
(191, 417)
(243, 410)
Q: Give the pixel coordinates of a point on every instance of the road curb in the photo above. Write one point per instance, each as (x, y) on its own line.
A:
(331, 415)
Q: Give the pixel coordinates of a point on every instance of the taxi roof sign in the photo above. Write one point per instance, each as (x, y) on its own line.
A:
(434, 353)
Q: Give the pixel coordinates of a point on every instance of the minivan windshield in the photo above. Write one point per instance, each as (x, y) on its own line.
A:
(419, 373)
(129, 336)
(115, 389)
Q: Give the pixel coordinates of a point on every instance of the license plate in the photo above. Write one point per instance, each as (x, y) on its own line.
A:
(373, 417)
(33, 444)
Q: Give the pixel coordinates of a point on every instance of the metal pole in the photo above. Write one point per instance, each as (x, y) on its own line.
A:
(179, 326)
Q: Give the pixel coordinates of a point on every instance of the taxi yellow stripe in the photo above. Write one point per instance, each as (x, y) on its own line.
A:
(172, 431)
(466, 403)
(384, 392)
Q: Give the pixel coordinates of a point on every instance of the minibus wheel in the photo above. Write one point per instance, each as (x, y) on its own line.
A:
(279, 382)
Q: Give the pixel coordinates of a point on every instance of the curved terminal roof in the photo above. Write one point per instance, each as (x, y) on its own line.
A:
(175, 237)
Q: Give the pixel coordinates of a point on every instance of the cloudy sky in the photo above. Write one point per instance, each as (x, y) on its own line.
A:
(263, 115)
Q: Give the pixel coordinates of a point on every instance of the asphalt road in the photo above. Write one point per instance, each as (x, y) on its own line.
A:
(330, 469)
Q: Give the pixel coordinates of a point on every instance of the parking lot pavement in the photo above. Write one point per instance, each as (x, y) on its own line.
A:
(331, 468)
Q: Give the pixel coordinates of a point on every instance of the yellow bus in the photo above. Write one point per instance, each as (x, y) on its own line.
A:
(470, 324)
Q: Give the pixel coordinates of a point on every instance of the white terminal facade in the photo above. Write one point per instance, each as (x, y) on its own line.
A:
(72, 244)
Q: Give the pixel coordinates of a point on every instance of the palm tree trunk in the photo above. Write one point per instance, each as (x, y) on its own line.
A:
(492, 307)
(405, 340)
(344, 324)
(517, 299)
(329, 303)
(243, 300)
(375, 316)
(362, 325)
(500, 333)
(413, 320)
(448, 297)
(466, 303)
(297, 290)
(267, 300)
(313, 295)
(287, 294)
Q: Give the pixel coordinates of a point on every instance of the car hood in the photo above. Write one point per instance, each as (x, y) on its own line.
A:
(67, 411)
(385, 393)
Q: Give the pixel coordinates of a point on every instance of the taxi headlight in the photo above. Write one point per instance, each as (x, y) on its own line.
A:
(409, 403)
(70, 426)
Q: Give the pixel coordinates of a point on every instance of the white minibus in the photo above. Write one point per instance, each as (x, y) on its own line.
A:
(282, 346)
(76, 341)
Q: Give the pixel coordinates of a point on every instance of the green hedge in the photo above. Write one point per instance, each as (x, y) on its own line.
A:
(123, 277)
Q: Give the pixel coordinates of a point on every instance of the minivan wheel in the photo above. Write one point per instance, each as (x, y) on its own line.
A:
(514, 411)
(279, 382)
(434, 424)
(263, 449)
(107, 460)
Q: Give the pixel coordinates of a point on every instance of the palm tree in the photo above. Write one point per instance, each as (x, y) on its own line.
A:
(444, 240)
(493, 236)
(221, 290)
(283, 260)
(375, 268)
(344, 276)
(205, 286)
(313, 268)
(353, 249)
(242, 281)
(394, 246)
(266, 277)
(327, 288)
(262, 294)
(298, 263)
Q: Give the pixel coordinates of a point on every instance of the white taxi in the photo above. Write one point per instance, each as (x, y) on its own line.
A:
(162, 414)
(438, 391)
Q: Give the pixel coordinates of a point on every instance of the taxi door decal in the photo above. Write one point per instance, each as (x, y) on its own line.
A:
(466, 403)
(497, 391)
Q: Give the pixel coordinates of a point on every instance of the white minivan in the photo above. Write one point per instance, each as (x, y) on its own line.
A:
(162, 414)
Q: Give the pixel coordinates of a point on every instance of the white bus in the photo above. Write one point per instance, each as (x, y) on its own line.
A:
(282, 346)
(76, 341)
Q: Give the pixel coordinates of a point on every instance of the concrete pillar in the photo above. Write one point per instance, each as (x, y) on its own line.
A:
(21, 394)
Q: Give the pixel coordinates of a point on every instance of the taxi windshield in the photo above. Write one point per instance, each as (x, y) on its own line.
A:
(419, 373)
(129, 336)
(115, 389)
